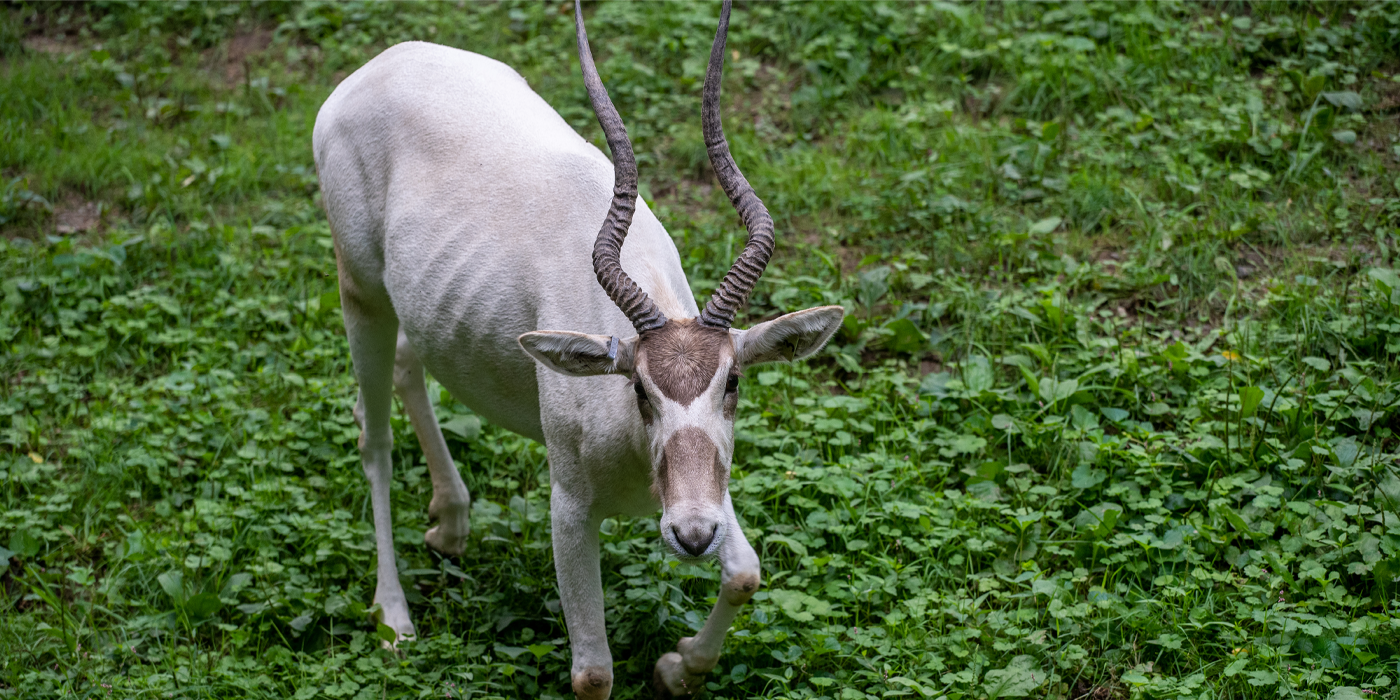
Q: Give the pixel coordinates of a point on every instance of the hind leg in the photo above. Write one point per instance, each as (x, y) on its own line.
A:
(451, 503)
(372, 329)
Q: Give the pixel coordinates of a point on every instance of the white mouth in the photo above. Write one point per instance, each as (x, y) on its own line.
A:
(668, 535)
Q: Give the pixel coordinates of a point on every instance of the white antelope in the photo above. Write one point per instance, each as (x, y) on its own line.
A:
(464, 212)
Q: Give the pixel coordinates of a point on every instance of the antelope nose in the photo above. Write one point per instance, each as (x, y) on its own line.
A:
(695, 539)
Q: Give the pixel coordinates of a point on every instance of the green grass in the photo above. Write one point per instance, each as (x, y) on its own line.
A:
(1113, 415)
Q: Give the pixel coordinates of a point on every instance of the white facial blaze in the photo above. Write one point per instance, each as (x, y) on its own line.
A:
(705, 412)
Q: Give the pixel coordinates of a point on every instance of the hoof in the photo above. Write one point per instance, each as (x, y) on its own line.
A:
(658, 686)
(444, 543)
(394, 645)
(449, 536)
(398, 620)
(670, 679)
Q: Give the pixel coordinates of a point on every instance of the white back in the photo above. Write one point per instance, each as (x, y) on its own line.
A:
(504, 201)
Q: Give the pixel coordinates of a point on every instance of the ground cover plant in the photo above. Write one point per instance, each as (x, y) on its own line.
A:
(1113, 415)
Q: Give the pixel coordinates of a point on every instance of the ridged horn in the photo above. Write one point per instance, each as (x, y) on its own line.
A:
(607, 250)
(739, 282)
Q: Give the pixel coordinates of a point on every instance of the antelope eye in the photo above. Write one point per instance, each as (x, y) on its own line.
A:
(732, 385)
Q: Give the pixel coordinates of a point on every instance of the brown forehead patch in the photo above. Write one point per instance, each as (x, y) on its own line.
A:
(682, 357)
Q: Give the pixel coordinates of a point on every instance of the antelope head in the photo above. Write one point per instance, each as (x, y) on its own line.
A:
(684, 372)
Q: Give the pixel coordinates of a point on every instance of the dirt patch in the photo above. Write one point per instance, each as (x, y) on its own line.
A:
(1110, 261)
(1355, 255)
(1249, 263)
(1387, 96)
(850, 259)
(50, 45)
(232, 62)
(1086, 691)
(77, 216)
(829, 239)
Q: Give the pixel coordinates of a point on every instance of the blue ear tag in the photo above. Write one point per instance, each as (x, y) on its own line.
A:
(612, 349)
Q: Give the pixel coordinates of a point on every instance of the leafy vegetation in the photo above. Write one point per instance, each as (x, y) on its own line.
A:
(1113, 415)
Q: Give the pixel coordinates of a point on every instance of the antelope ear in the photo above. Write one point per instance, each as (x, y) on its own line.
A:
(580, 354)
(790, 337)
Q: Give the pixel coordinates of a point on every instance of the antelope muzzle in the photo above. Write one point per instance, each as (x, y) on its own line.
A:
(692, 482)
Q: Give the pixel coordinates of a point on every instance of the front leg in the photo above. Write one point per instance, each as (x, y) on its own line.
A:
(581, 594)
(682, 671)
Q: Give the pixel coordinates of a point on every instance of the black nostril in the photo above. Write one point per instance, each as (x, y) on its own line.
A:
(695, 540)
